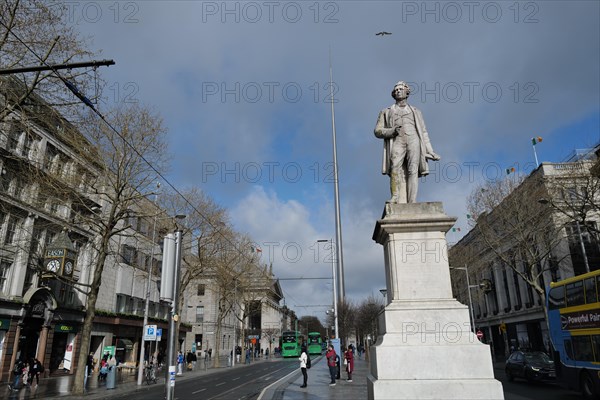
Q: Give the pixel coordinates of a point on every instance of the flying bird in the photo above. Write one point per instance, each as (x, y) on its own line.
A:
(382, 33)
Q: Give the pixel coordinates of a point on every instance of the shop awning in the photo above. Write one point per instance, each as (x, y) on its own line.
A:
(124, 344)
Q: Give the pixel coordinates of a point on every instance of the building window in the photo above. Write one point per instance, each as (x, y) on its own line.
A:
(201, 289)
(4, 269)
(27, 144)
(14, 135)
(29, 275)
(128, 254)
(11, 230)
(121, 303)
(199, 313)
(51, 154)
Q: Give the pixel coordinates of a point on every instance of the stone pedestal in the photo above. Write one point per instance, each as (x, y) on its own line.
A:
(426, 349)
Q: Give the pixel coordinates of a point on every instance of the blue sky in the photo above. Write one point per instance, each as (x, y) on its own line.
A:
(243, 89)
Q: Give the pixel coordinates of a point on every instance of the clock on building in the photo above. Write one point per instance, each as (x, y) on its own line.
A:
(68, 270)
(60, 256)
(53, 265)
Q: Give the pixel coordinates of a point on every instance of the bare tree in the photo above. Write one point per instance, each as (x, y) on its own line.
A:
(574, 193)
(123, 156)
(38, 33)
(366, 324)
(512, 228)
(346, 319)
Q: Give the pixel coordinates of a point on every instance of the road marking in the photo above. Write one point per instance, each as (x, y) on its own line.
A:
(198, 391)
(260, 396)
(219, 384)
(235, 379)
(258, 378)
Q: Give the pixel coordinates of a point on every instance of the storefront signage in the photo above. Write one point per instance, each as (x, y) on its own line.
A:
(64, 328)
(109, 350)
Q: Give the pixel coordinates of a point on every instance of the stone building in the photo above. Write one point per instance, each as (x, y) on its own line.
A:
(555, 237)
(254, 319)
(47, 168)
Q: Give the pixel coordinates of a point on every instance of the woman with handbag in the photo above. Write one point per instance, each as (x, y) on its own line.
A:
(349, 362)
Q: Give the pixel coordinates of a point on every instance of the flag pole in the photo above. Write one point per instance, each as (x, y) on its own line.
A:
(537, 164)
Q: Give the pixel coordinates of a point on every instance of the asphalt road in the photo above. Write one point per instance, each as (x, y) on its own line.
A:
(240, 384)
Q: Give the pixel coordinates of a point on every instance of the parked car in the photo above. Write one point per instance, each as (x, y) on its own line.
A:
(533, 366)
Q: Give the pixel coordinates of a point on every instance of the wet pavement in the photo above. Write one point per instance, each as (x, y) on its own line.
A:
(288, 388)
(318, 386)
(318, 383)
(59, 387)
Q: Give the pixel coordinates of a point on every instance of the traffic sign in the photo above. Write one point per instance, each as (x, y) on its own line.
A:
(150, 332)
(479, 335)
(158, 334)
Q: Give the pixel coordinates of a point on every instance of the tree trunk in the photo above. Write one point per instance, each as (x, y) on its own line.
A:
(86, 331)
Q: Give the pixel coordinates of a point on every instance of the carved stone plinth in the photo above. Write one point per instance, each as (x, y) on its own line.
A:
(426, 349)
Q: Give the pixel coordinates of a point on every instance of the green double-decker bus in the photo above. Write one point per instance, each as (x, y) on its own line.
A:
(314, 343)
(291, 343)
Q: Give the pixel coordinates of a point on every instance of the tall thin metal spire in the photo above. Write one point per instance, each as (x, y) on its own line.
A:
(338, 222)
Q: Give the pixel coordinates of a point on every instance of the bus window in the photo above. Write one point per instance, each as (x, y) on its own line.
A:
(590, 291)
(583, 348)
(569, 349)
(575, 294)
(556, 297)
(596, 345)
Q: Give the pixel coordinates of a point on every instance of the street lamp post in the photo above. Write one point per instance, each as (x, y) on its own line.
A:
(171, 354)
(333, 274)
(469, 287)
(147, 305)
(384, 293)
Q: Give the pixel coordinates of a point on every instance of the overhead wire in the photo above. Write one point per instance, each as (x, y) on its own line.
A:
(89, 104)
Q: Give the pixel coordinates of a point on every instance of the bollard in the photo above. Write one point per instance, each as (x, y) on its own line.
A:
(111, 378)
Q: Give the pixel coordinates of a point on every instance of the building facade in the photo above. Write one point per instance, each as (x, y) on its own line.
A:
(533, 234)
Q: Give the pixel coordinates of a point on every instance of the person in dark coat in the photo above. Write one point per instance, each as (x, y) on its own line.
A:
(349, 362)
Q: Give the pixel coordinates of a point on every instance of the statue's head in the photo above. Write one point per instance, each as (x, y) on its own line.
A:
(400, 87)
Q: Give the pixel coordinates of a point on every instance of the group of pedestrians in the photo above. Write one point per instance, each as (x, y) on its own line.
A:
(332, 363)
(25, 372)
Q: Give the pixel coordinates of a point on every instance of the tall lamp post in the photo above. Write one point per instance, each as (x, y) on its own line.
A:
(335, 305)
(148, 285)
(469, 287)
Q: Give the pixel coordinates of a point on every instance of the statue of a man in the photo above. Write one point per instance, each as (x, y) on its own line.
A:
(406, 146)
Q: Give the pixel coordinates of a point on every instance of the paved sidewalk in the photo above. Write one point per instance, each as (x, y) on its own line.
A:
(318, 383)
(287, 389)
(60, 387)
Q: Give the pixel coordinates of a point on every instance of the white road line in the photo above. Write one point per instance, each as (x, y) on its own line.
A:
(219, 384)
(198, 391)
(260, 396)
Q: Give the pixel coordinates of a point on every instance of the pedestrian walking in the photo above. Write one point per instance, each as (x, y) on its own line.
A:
(180, 363)
(349, 362)
(303, 360)
(238, 354)
(17, 372)
(25, 374)
(331, 363)
(90, 364)
(189, 357)
(36, 369)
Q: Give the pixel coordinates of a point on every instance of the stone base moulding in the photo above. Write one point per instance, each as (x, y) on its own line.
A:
(426, 349)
